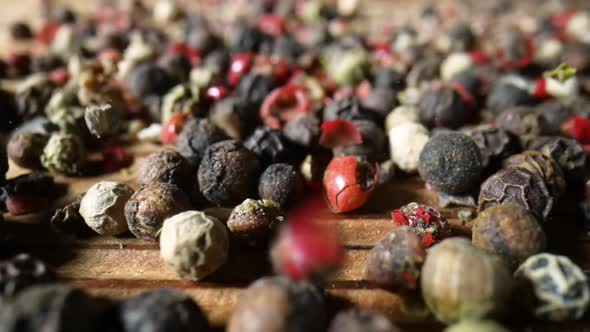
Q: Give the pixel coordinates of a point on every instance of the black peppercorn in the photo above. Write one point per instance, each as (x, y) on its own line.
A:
(20, 272)
(196, 136)
(21, 31)
(51, 308)
(25, 149)
(451, 162)
(228, 173)
(33, 95)
(507, 92)
(10, 111)
(568, 153)
(462, 38)
(245, 38)
(372, 146)
(253, 88)
(162, 310)
(380, 102)
(552, 115)
(176, 65)
(359, 320)
(519, 186)
(281, 183)
(69, 221)
(200, 37)
(542, 165)
(388, 78)
(443, 107)
(286, 48)
(28, 193)
(167, 166)
(235, 116)
(495, 144)
(271, 146)
(149, 79)
(425, 70)
(303, 130)
(346, 109)
(150, 205)
(269, 304)
(3, 166)
(255, 220)
(522, 121)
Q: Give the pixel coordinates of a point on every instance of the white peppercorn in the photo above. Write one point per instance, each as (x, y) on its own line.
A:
(406, 142)
(400, 115)
(103, 207)
(193, 244)
(103, 120)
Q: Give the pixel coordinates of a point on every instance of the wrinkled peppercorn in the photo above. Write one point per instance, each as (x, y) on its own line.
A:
(235, 117)
(523, 122)
(395, 262)
(196, 136)
(25, 148)
(103, 207)
(568, 153)
(271, 146)
(32, 95)
(346, 109)
(150, 205)
(162, 310)
(359, 320)
(269, 304)
(20, 272)
(281, 183)
(253, 220)
(228, 173)
(518, 186)
(495, 144)
(69, 221)
(167, 166)
(303, 130)
(542, 165)
(253, 88)
(28, 193)
(103, 120)
(372, 146)
(451, 162)
(64, 153)
(443, 107)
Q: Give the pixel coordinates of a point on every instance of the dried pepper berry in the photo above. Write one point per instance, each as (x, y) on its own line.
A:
(425, 221)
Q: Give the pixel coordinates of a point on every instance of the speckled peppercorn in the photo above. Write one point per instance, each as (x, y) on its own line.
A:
(25, 148)
(425, 221)
(542, 165)
(255, 220)
(281, 183)
(64, 153)
(195, 138)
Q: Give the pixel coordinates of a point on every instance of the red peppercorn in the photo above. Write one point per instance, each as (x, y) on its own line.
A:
(273, 25)
(47, 32)
(284, 104)
(173, 127)
(115, 158)
(110, 54)
(239, 66)
(339, 133)
(348, 183)
(191, 54)
(577, 127)
(216, 93)
(275, 67)
(425, 221)
(59, 76)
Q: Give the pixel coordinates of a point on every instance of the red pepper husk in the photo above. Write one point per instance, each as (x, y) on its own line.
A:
(540, 91)
(479, 57)
(579, 128)
(271, 24)
(427, 240)
(47, 33)
(284, 104)
(343, 191)
(239, 66)
(115, 158)
(561, 18)
(339, 133)
(399, 218)
(173, 127)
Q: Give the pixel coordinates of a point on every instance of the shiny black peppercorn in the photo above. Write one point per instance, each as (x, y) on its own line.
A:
(281, 183)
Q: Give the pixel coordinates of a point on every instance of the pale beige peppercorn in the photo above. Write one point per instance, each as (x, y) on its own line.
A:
(103, 207)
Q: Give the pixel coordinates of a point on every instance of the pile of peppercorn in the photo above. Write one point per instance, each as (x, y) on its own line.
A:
(270, 124)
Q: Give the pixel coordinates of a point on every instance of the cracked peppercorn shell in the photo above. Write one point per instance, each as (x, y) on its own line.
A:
(281, 183)
(150, 205)
(495, 144)
(568, 153)
(162, 310)
(103, 120)
(360, 320)
(254, 220)
(395, 262)
(460, 281)
(346, 109)
(303, 130)
(509, 231)
(167, 166)
(271, 146)
(476, 325)
(52, 307)
(103, 205)
(451, 162)
(521, 121)
(542, 165)
(69, 221)
(443, 107)
(64, 153)
(372, 146)
(196, 136)
(25, 148)
(552, 288)
(518, 186)
(20, 272)
(193, 244)
(275, 304)
(228, 173)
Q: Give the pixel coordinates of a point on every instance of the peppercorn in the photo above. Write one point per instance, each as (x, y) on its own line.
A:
(269, 303)
(518, 186)
(346, 109)
(69, 221)
(271, 146)
(25, 148)
(64, 153)
(148, 79)
(348, 183)
(507, 92)
(443, 107)
(69, 119)
(10, 111)
(495, 144)
(425, 221)
(379, 102)
(235, 117)
(162, 310)
(395, 262)
(460, 281)
(253, 220)
(303, 130)
(103, 207)
(193, 245)
(20, 31)
(345, 64)
(400, 115)
(372, 146)
(281, 183)
(195, 137)
(451, 162)
(245, 39)
(552, 115)
(32, 95)
(51, 307)
(552, 287)
(150, 205)
(103, 120)
(359, 320)
(176, 65)
(20, 272)
(167, 166)
(509, 231)
(542, 165)
(228, 173)
(521, 121)
(181, 99)
(476, 325)
(462, 37)
(254, 88)
(406, 142)
(200, 37)
(568, 153)
(28, 193)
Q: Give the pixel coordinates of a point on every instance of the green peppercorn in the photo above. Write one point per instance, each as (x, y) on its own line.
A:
(64, 153)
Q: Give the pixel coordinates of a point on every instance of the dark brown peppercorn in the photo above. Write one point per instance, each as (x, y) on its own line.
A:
(149, 79)
(271, 146)
(228, 173)
(167, 166)
(281, 183)
(69, 221)
(20, 272)
(359, 320)
(162, 310)
(443, 107)
(254, 88)
(523, 122)
(518, 186)
(568, 153)
(21, 31)
(303, 130)
(451, 162)
(196, 136)
(395, 262)
(276, 304)
(380, 102)
(255, 220)
(149, 206)
(372, 146)
(25, 149)
(542, 165)
(509, 231)
(494, 144)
